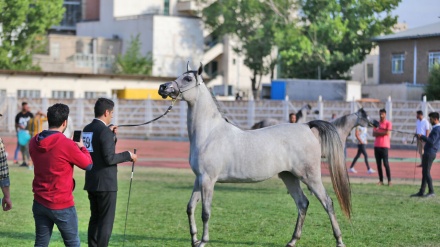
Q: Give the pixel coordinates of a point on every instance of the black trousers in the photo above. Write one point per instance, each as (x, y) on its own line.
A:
(361, 149)
(103, 208)
(427, 160)
(381, 154)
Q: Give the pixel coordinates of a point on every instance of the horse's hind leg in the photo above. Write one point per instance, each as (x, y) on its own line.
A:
(315, 185)
(293, 185)
(195, 197)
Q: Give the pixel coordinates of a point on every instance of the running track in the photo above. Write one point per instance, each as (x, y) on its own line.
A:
(174, 154)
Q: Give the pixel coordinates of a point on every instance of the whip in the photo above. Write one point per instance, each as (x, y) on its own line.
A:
(128, 202)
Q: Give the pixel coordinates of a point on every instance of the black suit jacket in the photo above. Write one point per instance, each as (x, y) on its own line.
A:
(101, 141)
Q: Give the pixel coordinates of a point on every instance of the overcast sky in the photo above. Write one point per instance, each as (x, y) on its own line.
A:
(418, 13)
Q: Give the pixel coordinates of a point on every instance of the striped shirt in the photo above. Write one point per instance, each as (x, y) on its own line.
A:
(4, 170)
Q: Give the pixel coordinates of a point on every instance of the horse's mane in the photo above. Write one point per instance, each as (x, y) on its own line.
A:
(222, 113)
(340, 122)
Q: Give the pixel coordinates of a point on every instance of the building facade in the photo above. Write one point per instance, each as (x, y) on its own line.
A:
(408, 56)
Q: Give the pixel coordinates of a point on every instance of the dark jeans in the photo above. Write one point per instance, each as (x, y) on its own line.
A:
(381, 154)
(361, 149)
(427, 160)
(102, 207)
(65, 219)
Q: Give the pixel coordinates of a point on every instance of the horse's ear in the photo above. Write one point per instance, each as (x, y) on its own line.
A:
(200, 70)
(188, 68)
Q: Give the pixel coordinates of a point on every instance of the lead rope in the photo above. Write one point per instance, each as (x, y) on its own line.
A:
(165, 113)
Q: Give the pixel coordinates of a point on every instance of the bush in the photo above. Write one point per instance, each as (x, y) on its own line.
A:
(432, 90)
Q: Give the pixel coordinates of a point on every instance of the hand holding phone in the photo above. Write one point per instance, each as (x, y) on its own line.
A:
(77, 138)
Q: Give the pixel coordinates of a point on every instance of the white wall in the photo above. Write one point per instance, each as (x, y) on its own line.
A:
(136, 7)
(47, 84)
(176, 41)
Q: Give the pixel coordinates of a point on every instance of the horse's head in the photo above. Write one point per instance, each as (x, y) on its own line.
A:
(363, 119)
(184, 83)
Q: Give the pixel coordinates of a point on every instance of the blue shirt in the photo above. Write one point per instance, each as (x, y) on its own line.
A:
(433, 141)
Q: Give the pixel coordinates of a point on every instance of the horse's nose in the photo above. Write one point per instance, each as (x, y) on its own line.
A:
(162, 90)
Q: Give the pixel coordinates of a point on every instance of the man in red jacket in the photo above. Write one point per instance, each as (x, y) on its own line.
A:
(54, 157)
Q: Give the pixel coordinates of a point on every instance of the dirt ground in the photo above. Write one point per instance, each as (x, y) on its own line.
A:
(174, 154)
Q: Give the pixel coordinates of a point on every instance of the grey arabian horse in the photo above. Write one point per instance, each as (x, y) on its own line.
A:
(221, 152)
(346, 123)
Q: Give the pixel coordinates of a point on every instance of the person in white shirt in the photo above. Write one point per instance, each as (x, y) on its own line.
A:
(422, 128)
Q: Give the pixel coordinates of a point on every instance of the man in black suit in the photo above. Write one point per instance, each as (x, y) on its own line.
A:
(101, 182)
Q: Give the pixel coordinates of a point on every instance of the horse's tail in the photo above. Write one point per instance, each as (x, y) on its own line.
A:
(332, 149)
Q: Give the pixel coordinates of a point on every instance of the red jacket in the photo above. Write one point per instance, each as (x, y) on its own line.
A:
(54, 156)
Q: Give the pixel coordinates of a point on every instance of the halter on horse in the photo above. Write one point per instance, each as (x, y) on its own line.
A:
(221, 152)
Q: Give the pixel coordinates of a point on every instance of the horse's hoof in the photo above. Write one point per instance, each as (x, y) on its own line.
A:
(340, 245)
(290, 245)
(196, 243)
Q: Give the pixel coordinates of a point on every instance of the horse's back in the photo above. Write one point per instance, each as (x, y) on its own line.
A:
(256, 155)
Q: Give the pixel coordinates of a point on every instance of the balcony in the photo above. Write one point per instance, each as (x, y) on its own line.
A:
(187, 6)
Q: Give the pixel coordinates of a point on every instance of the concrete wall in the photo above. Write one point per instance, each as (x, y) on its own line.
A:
(396, 91)
(303, 89)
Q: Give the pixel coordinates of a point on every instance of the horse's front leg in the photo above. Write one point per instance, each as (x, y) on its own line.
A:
(195, 197)
(207, 193)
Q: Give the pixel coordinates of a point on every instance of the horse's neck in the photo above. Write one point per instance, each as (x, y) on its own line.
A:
(350, 123)
(203, 115)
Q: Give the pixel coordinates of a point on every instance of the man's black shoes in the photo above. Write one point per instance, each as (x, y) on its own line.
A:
(417, 194)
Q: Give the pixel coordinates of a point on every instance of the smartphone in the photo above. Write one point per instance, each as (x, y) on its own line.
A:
(77, 136)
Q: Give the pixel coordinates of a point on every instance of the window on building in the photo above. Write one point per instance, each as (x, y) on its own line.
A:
(55, 50)
(72, 14)
(166, 7)
(95, 95)
(397, 63)
(28, 93)
(370, 70)
(62, 94)
(434, 57)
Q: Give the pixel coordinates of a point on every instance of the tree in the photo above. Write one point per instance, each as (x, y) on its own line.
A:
(132, 62)
(432, 90)
(332, 36)
(24, 24)
(252, 23)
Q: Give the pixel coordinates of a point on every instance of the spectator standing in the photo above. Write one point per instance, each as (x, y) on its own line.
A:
(4, 178)
(35, 124)
(21, 121)
(101, 182)
(382, 144)
(422, 128)
(54, 158)
(361, 136)
(430, 150)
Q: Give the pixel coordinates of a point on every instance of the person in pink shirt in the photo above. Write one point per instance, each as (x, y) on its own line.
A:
(381, 146)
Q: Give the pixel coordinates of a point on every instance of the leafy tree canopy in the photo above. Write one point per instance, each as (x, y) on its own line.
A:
(432, 89)
(253, 23)
(24, 24)
(132, 62)
(331, 36)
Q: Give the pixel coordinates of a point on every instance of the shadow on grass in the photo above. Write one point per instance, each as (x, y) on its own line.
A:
(220, 187)
(18, 235)
(163, 240)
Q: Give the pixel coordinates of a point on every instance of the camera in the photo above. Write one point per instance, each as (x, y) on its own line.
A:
(77, 136)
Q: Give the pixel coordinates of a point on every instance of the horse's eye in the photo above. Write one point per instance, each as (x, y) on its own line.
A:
(188, 78)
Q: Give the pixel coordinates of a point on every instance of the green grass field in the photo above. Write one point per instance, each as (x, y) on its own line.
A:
(259, 214)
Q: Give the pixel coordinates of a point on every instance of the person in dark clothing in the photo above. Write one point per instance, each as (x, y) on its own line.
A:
(432, 145)
(101, 182)
(21, 121)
